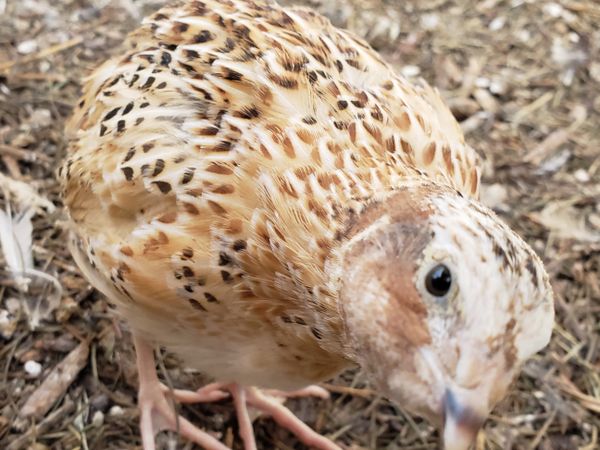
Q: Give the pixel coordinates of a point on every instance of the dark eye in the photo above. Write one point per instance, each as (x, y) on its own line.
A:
(438, 281)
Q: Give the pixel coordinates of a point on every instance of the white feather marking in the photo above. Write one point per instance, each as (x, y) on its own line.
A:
(327, 159)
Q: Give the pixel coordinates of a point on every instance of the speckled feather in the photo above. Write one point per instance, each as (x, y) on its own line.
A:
(213, 170)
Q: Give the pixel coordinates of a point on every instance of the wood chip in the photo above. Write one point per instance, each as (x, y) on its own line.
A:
(48, 423)
(56, 383)
(548, 146)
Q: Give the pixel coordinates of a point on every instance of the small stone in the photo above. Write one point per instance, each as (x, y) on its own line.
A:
(594, 220)
(539, 394)
(581, 175)
(482, 82)
(524, 35)
(41, 118)
(498, 87)
(430, 21)
(33, 368)
(497, 24)
(578, 113)
(567, 77)
(115, 411)
(410, 71)
(98, 419)
(553, 9)
(594, 70)
(44, 66)
(26, 47)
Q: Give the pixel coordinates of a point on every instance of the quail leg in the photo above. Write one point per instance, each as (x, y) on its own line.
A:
(156, 411)
(266, 401)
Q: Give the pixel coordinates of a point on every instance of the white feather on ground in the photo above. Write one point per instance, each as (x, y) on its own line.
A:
(16, 234)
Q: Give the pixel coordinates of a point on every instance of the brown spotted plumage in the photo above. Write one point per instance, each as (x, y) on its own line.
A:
(259, 192)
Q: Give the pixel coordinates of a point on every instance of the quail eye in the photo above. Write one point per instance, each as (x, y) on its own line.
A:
(438, 281)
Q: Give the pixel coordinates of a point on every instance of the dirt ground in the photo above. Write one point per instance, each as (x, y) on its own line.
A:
(522, 76)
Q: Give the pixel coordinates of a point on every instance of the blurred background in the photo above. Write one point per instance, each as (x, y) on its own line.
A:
(523, 79)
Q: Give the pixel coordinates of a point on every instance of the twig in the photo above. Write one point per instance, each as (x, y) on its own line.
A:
(533, 106)
(48, 423)
(364, 393)
(4, 67)
(13, 167)
(587, 401)
(35, 76)
(56, 383)
(22, 154)
(542, 431)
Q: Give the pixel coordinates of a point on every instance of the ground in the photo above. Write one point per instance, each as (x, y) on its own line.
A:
(522, 76)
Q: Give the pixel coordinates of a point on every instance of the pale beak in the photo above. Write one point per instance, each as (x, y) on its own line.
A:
(465, 412)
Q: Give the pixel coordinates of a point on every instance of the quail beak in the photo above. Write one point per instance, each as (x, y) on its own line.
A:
(464, 416)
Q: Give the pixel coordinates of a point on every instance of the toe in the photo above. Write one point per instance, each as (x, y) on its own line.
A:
(309, 391)
(199, 396)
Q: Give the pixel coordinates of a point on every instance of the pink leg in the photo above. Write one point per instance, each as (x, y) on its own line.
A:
(267, 402)
(213, 392)
(244, 421)
(156, 413)
(287, 419)
(309, 391)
